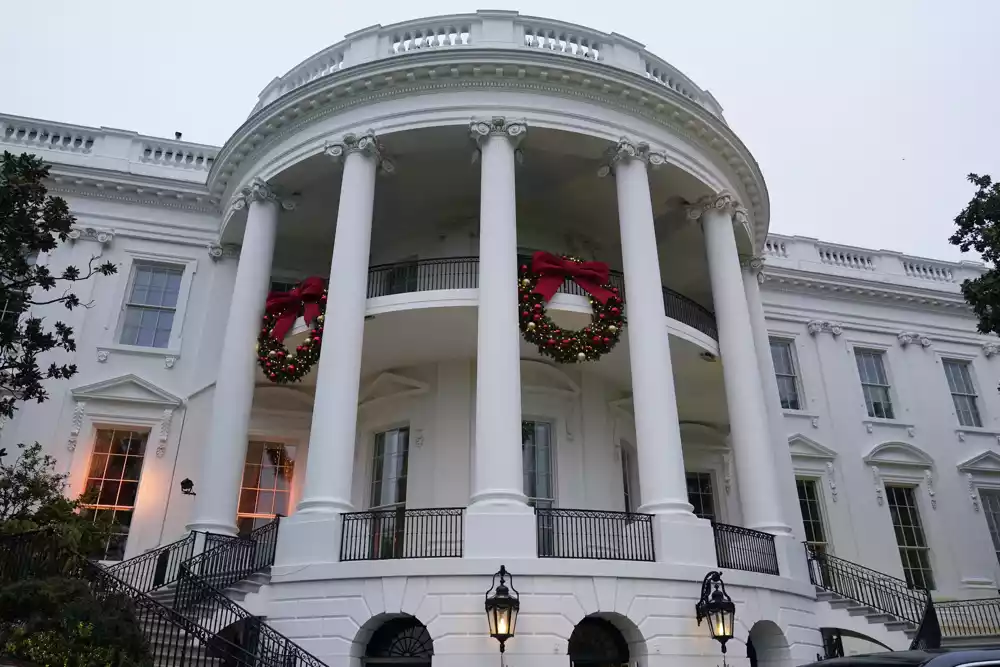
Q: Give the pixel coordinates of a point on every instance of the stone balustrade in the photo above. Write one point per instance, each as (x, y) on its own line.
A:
(487, 30)
(808, 254)
(107, 148)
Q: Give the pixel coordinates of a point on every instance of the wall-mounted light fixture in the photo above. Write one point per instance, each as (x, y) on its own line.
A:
(502, 608)
(187, 487)
(717, 608)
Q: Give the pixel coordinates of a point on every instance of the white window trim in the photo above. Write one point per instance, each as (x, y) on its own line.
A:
(298, 475)
(717, 497)
(902, 463)
(941, 356)
(625, 446)
(557, 427)
(824, 513)
(796, 369)
(189, 265)
(813, 460)
(853, 347)
(369, 453)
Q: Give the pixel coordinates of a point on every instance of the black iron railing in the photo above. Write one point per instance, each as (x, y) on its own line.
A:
(874, 589)
(739, 548)
(402, 533)
(157, 567)
(227, 560)
(463, 273)
(594, 534)
(969, 618)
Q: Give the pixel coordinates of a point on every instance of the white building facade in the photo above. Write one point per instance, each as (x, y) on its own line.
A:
(766, 390)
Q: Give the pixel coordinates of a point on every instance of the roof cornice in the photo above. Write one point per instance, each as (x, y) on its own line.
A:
(131, 189)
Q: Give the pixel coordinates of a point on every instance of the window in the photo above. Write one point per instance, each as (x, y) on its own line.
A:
(812, 514)
(913, 550)
(630, 477)
(963, 392)
(390, 464)
(151, 304)
(701, 495)
(267, 484)
(112, 484)
(991, 508)
(283, 285)
(783, 357)
(536, 459)
(874, 383)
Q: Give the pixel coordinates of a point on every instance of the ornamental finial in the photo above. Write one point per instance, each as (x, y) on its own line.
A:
(722, 201)
(366, 144)
(627, 149)
(260, 190)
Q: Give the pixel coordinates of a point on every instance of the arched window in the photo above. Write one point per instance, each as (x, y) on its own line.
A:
(597, 643)
(400, 641)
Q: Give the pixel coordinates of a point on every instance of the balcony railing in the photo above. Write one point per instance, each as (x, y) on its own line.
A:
(402, 533)
(739, 548)
(463, 273)
(594, 534)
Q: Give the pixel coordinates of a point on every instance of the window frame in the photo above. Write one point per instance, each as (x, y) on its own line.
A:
(132, 426)
(796, 370)
(554, 430)
(976, 396)
(189, 268)
(818, 483)
(893, 399)
(371, 436)
(293, 482)
(629, 467)
(926, 549)
(713, 484)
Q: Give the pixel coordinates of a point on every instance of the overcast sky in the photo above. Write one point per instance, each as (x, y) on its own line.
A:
(865, 115)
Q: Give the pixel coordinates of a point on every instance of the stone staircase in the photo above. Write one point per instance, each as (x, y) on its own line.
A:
(872, 615)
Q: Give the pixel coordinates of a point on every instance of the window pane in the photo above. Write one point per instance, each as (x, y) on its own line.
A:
(812, 518)
(113, 484)
(913, 551)
(267, 475)
(536, 461)
(389, 468)
(149, 312)
(700, 494)
(991, 508)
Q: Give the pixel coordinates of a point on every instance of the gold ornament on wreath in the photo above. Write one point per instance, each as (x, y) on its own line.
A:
(537, 284)
(306, 300)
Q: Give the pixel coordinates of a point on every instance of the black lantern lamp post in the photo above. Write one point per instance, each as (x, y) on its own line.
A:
(717, 608)
(502, 608)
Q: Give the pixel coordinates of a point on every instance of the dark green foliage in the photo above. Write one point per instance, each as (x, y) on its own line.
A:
(59, 621)
(979, 229)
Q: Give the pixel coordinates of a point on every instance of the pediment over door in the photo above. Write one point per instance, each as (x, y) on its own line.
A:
(981, 471)
(803, 447)
(126, 389)
(899, 454)
(987, 463)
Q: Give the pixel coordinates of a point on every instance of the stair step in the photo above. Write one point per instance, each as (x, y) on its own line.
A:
(861, 610)
(842, 603)
(826, 596)
(879, 617)
(898, 625)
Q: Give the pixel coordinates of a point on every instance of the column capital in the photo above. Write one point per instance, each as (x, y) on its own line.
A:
(498, 126)
(627, 149)
(218, 251)
(366, 144)
(753, 265)
(260, 190)
(723, 201)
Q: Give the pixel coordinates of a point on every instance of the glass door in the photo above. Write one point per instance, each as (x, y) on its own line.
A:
(387, 498)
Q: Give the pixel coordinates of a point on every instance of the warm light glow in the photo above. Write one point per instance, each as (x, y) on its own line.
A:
(720, 627)
(502, 624)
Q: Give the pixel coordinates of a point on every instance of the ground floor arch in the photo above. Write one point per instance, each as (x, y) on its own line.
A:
(605, 640)
(393, 639)
(767, 646)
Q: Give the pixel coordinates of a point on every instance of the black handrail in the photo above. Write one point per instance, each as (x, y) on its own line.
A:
(866, 586)
(157, 567)
(393, 533)
(421, 275)
(227, 560)
(594, 534)
(739, 548)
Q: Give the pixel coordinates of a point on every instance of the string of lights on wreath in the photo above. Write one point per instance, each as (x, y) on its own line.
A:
(536, 286)
(280, 364)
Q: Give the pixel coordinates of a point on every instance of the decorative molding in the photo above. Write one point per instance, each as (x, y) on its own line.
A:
(973, 496)
(218, 251)
(727, 471)
(815, 422)
(877, 479)
(929, 479)
(991, 349)
(899, 454)
(907, 338)
(418, 438)
(164, 432)
(169, 361)
(831, 480)
(626, 149)
(754, 265)
(102, 355)
(869, 427)
(120, 187)
(366, 144)
(127, 389)
(403, 387)
(260, 190)
(498, 126)
(816, 327)
(911, 431)
(102, 236)
(723, 201)
(74, 431)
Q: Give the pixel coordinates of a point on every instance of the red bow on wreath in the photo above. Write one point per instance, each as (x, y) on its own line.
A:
(304, 298)
(554, 270)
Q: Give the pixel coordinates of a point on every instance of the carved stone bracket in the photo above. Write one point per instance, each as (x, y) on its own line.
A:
(221, 251)
(626, 149)
(102, 355)
(877, 479)
(929, 478)
(816, 327)
(991, 349)
(169, 361)
(973, 496)
(727, 471)
(164, 432)
(74, 431)
(260, 190)
(907, 338)
(102, 236)
(366, 144)
(831, 480)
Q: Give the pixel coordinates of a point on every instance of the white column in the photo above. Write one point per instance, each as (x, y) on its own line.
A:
(312, 534)
(752, 277)
(218, 485)
(748, 415)
(498, 520)
(681, 537)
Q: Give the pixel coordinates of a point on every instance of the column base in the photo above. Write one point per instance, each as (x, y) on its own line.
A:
(308, 537)
(500, 531)
(792, 561)
(684, 538)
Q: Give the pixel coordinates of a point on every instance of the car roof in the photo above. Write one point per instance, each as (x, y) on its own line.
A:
(931, 658)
